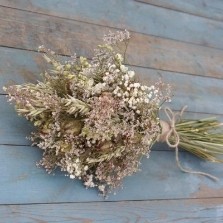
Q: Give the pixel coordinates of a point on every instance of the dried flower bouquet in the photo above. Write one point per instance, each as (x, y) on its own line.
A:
(95, 121)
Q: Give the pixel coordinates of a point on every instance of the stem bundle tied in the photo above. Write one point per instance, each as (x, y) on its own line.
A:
(193, 136)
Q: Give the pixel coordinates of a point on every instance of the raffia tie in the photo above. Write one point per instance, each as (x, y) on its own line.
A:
(169, 131)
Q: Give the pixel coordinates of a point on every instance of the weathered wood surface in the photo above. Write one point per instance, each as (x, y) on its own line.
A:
(168, 211)
(175, 40)
(205, 8)
(22, 182)
(19, 66)
(132, 15)
(26, 30)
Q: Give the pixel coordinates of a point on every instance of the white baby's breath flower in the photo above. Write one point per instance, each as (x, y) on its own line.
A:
(101, 188)
(123, 68)
(143, 88)
(131, 73)
(136, 85)
(146, 100)
(72, 176)
(126, 93)
(78, 173)
(126, 77)
(86, 168)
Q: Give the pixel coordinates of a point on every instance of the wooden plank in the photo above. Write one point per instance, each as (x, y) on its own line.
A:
(21, 182)
(134, 16)
(166, 211)
(201, 94)
(27, 30)
(19, 66)
(204, 8)
(13, 129)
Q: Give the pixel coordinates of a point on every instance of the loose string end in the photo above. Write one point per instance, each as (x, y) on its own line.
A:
(170, 131)
(212, 177)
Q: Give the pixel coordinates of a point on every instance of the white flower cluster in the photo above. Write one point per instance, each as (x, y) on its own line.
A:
(132, 93)
(98, 88)
(112, 74)
(89, 182)
(76, 169)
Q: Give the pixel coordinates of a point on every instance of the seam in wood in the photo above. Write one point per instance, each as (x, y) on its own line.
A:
(112, 27)
(177, 10)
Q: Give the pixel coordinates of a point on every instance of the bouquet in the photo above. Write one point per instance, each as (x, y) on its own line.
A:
(95, 120)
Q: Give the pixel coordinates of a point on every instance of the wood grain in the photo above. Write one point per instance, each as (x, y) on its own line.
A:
(134, 16)
(181, 47)
(204, 8)
(27, 30)
(13, 129)
(167, 211)
(22, 182)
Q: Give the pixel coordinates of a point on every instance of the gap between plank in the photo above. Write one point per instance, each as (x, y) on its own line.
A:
(115, 201)
(178, 10)
(112, 27)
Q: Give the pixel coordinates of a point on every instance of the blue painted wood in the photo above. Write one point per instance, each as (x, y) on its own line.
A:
(13, 129)
(161, 47)
(19, 66)
(205, 8)
(201, 94)
(22, 182)
(167, 211)
(133, 15)
(143, 50)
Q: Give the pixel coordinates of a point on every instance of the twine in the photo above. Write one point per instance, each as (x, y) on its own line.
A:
(169, 131)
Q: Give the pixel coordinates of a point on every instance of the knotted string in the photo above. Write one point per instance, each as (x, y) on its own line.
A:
(169, 131)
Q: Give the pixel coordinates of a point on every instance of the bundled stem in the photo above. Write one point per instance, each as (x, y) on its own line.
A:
(202, 138)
